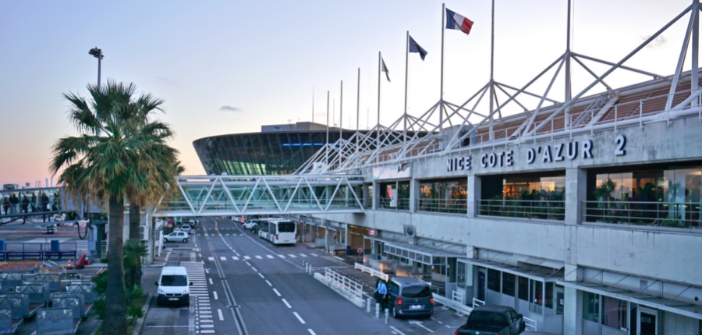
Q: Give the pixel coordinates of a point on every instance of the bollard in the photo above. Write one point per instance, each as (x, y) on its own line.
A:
(387, 316)
(368, 305)
(377, 310)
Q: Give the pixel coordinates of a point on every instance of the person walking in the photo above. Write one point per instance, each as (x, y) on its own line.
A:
(44, 205)
(33, 203)
(25, 204)
(14, 201)
(380, 292)
(6, 205)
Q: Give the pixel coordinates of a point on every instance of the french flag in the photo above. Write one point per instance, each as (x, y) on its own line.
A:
(458, 22)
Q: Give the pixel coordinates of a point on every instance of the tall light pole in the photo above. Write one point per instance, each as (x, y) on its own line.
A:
(97, 53)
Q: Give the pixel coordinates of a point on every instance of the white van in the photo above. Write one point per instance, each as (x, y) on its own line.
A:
(173, 286)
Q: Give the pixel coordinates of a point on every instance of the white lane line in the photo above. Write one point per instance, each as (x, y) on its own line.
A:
(215, 295)
(397, 330)
(261, 275)
(315, 255)
(235, 258)
(258, 257)
(286, 303)
(299, 318)
(311, 332)
(269, 256)
(293, 256)
(223, 258)
(254, 269)
(204, 331)
(247, 257)
(269, 283)
(211, 283)
(303, 255)
(281, 256)
(221, 317)
(278, 293)
(211, 259)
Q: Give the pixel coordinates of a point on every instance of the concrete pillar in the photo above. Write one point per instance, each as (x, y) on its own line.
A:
(572, 312)
(365, 197)
(375, 195)
(473, 195)
(414, 195)
(576, 191)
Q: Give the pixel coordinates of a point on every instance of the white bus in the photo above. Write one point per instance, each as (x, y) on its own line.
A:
(278, 232)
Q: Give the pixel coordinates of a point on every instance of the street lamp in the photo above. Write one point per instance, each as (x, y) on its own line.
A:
(97, 53)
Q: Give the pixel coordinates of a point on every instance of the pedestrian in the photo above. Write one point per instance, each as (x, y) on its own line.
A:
(33, 203)
(25, 204)
(14, 201)
(380, 292)
(44, 205)
(6, 205)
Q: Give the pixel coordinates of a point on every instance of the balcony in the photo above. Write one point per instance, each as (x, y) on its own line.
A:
(680, 215)
(528, 209)
(400, 204)
(455, 206)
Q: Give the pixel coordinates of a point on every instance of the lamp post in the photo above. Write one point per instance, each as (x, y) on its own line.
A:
(97, 53)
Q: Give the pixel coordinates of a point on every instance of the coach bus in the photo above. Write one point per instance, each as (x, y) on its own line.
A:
(278, 232)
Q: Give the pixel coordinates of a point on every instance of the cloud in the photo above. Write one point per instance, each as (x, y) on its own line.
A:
(228, 108)
(167, 81)
(656, 43)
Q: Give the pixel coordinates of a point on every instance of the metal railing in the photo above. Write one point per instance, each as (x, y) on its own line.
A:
(372, 271)
(477, 302)
(348, 286)
(644, 213)
(400, 204)
(530, 209)
(457, 297)
(458, 307)
(530, 324)
(457, 206)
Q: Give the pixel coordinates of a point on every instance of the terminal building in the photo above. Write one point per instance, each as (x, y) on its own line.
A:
(582, 212)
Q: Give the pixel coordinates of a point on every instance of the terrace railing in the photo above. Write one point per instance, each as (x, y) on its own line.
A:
(528, 209)
(400, 204)
(684, 215)
(456, 206)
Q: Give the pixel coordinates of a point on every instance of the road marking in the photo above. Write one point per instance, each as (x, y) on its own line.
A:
(258, 257)
(397, 330)
(223, 258)
(299, 318)
(206, 326)
(278, 293)
(215, 295)
(247, 257)
(281, 256)
(303, 255)
(205, 331)
(269, 283)
(254, 269)
(293, 256)
(261, 275)
(269, 256)
(211, 259)
(286, 303)
(315, 255)
(235, 258)
(211, 283)
(419, 323)
(311, 332)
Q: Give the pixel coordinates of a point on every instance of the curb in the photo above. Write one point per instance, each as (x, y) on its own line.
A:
(140, 322)
(97, 327)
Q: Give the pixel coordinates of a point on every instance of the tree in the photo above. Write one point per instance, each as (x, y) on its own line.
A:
(107, 160)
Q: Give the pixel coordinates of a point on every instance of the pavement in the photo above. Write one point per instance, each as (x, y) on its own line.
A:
(246, 285)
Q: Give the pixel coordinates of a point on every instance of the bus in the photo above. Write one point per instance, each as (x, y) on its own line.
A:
(278, 231)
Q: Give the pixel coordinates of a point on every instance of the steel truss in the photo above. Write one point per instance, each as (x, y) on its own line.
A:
(263, 195)
(448, 128)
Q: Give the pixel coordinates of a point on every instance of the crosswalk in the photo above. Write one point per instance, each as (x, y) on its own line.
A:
(196, 274)
(199, 297)
(222, 234)
(263, 257)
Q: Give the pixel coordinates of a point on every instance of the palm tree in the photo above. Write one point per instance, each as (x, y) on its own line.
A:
(105, 162)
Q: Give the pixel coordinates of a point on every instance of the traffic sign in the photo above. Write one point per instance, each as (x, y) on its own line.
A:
(372, 232)
(360, 251)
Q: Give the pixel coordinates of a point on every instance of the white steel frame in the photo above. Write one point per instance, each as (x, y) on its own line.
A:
(423, 137)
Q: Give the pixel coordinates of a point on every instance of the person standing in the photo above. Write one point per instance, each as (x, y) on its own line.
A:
(44, 205)
(6, 205)
(380, 292)
(33, 203)
(25, 203)
(14, 201)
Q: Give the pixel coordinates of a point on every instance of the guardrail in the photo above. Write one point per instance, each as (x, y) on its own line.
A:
(644, 213)
(372, 271)
(530, 323)
(529, 209)
(348, 286)
(477, 303)
(458, 307)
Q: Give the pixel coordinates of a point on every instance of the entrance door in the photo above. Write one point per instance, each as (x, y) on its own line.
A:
(560, 300)
(644, 321)
(481, 283)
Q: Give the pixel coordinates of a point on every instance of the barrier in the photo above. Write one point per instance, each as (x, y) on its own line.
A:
(54, 280)
(530, 323)
(477, 303)
(9, 280)
(457, 297)
(17, 303)
(69, 300)
(86, 288)
(372, 271)
(345, 284)
(55, 321)
(39, 251)
(6, 321)
(38, 292)
(461, 308)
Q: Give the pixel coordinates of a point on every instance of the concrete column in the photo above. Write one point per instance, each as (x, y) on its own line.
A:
(473, 195)
(375, 195)
(576, 191)
(414, 195)
(365, 197)
(572, 312)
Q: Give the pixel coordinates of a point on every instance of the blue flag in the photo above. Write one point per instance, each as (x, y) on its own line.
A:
(414, 47)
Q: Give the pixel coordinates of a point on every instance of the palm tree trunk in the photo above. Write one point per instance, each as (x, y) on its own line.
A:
(134, 227)
(115, 295)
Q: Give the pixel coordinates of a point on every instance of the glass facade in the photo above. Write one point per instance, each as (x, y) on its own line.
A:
(266, 153)
(537, 196)
(394, 195)
(448, 196)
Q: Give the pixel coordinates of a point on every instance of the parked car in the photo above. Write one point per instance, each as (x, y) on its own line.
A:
(251, 224)
(186, 228)
(173, 286)
(493, 320)
(410, 297)
(176, 236)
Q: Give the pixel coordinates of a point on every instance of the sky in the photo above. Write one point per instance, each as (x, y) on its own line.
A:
(231, 66)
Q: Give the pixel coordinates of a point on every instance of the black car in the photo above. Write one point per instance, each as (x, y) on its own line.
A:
(493, 320)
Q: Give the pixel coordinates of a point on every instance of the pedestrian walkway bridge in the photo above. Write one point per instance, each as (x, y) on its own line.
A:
(263, 195)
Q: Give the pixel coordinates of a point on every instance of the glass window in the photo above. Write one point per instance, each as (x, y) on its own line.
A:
(416, 291)
(286, 227)
(549, 295)
(508, 283)
(523, 292)
(591, 307)
(461, 275)
(493, 280)
(447, 196)
(536, 295)
(614, 313)
(174, 281)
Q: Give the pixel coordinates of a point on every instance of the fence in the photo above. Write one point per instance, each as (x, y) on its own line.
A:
(644, 213)
(457, 206)
(55, 321)
(372, 271)
(477, 302)
(531, 209)
(530, 323)
(457, 297)
(400, 204)
(449, 303)
(38, 251)
(343, 283)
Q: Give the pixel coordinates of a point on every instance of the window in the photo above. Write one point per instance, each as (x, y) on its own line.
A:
(174, 281)
(493, 280)
(448, 196)
(614, 313)
(422, 291)
(461, 275)
(549, 295)
(508, 283)
(488, 317)
(591, 307)
(286, 227)
(523, 288)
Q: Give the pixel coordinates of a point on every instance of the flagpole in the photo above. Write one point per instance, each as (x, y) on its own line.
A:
(406, 71)
(312, 104)
(380, 59)
(491, 136)
(326, 152)
(441, 99)
(358, 107)
(341, 110)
